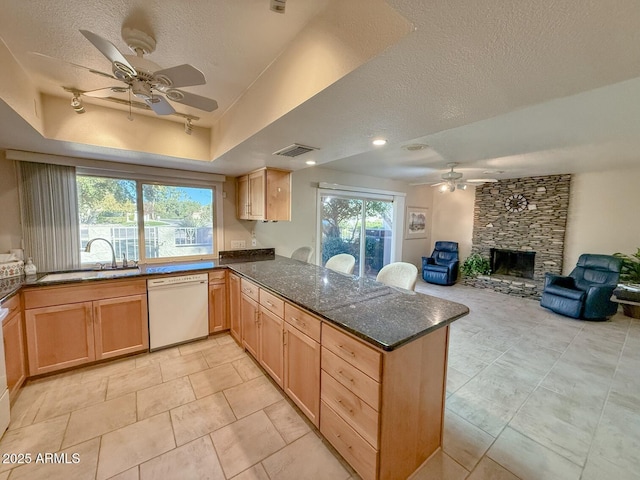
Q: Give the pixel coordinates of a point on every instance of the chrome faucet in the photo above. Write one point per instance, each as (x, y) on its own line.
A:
(113, 252)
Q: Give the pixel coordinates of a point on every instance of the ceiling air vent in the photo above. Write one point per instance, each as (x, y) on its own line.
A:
(294, 150)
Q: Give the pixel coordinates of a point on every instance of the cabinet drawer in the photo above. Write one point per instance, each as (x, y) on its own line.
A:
(272, 303)
(353, 379)
(356, 451)
(13, 305)
(249, 289)
(353, 351)
(360, 416)
(217, 276)
(303, 321)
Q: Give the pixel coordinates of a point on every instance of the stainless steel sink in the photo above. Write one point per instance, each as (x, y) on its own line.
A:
(88, 274)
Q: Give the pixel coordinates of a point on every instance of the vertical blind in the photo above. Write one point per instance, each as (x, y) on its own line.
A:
(49, 208)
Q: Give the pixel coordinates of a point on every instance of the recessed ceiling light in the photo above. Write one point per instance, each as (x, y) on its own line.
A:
(378, 142)
(310, 162)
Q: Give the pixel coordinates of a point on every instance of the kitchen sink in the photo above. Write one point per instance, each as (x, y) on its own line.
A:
(88, 274)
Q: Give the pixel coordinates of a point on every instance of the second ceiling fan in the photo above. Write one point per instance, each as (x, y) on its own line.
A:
(452, 180)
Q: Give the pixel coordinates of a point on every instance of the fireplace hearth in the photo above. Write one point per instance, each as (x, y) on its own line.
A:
(513, 263)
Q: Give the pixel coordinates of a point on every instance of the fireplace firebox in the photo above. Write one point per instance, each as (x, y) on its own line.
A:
(512, 262)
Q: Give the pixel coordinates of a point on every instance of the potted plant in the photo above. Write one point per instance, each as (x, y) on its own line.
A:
(630, 272)
(475, 265)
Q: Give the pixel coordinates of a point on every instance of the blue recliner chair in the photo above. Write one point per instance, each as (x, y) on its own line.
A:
(585, 293)
(442, 266)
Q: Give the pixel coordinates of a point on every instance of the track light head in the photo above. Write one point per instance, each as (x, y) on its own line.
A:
(76, 104)
(188, 126)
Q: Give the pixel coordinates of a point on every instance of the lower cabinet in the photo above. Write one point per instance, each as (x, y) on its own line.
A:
(249, 318)
(14, 348)
(270, 356)
(105, 321)
(235, 323)
(218, 318)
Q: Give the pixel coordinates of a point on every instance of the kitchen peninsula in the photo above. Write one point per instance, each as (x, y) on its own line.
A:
(365, 362)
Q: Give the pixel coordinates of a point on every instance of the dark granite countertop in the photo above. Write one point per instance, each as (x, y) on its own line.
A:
(383, 316)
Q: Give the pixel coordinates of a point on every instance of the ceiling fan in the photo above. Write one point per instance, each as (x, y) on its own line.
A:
(144, 78)
(453, 180)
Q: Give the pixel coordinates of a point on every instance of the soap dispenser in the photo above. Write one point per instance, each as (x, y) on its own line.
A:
(30, 268)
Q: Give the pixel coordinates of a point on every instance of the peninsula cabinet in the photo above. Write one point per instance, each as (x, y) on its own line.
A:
(249, 311)
(264, 194)
(271, 332)
(70, 325)
(14, 348)
(218, 317)
(235, 324)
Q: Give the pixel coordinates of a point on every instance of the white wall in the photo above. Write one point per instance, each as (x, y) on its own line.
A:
(10, 227)
(452, 218)
(603, 214)
(301, 230)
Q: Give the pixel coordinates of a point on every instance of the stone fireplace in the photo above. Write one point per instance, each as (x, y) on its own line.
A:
(519, 225)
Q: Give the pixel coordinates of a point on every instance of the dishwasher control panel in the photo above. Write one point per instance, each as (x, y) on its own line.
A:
(195, 278)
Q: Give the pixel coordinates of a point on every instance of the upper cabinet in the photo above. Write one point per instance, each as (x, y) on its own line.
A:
(264, 194)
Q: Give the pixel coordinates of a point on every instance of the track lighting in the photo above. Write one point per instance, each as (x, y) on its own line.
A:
(278, 6)
(76, 104)
(188, 126)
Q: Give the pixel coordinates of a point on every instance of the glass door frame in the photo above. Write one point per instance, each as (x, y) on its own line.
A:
(397, 200)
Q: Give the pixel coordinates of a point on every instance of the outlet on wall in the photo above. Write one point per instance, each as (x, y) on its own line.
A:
(237, 244)
(254, 242)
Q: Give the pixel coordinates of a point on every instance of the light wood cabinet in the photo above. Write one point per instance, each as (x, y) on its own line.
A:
(72, 325)
(264, 194)
(235, 323)
(270, 327)
(249, 314)
(218, 311)
(14, 347)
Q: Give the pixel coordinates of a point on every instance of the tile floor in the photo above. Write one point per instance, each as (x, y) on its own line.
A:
(530, 395)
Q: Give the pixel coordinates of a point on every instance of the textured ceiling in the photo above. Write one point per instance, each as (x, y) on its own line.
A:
(525, 87)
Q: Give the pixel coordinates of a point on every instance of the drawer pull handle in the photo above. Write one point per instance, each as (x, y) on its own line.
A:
(345, 406)
(347, 350)
(269, 303)
(344, 376)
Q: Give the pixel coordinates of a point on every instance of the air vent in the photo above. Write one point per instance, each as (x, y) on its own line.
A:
(295, 150)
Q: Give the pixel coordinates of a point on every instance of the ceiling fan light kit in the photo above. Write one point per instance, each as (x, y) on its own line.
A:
(453, 180)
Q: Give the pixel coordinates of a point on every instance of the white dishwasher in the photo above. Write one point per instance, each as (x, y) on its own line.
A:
(178, 309)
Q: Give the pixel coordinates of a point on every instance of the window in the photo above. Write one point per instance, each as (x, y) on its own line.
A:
(144, 221)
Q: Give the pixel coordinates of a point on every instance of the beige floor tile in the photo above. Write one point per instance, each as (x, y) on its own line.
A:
(99, 419)
(113, 367)
(131, 474)
(535, 359)
(482, 412)
(455, 380)
(256, 472)
(464, 442)
(617, 437)
(64, 400)
(529, 460)
(24, 410)
(157, 356)
(487, 469)
(225, 338)
(246, 442)
(192, 347)
(252, 396)
(5, 475)
(440, 467)
(77, 463)
(287, 420)
(214, 380)
(307, 457)
(574, 382)
(195, 460)
(201, 417)
(225, 353)
(163, 397)
(563, 424)
(131, 445)
(467, 364)
(247, 368)
(598, 468)
(37, 438)
(173, 368)
(133, 380)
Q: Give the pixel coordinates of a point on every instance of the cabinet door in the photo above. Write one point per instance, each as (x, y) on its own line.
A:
(59, 337)
(218, 320)
(235, 323)
(242, 199)
(302, 371)
(14, 352)
(249, 315)
(121, 326)
(278, 195)
(271, 344)
(257, 184)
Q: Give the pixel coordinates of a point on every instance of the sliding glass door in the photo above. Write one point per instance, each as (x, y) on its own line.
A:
(362, 227)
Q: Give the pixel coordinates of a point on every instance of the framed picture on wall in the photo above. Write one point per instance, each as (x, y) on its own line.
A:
(416, 223)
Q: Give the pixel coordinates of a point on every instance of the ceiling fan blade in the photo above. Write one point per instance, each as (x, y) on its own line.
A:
(159, 105)
(180, 76)
(481, 180)
(109, 50)
(192, 100)
(105, 92)
(58, 60)
(437, 184)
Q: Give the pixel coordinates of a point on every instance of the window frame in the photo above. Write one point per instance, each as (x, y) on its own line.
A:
(216, 212)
